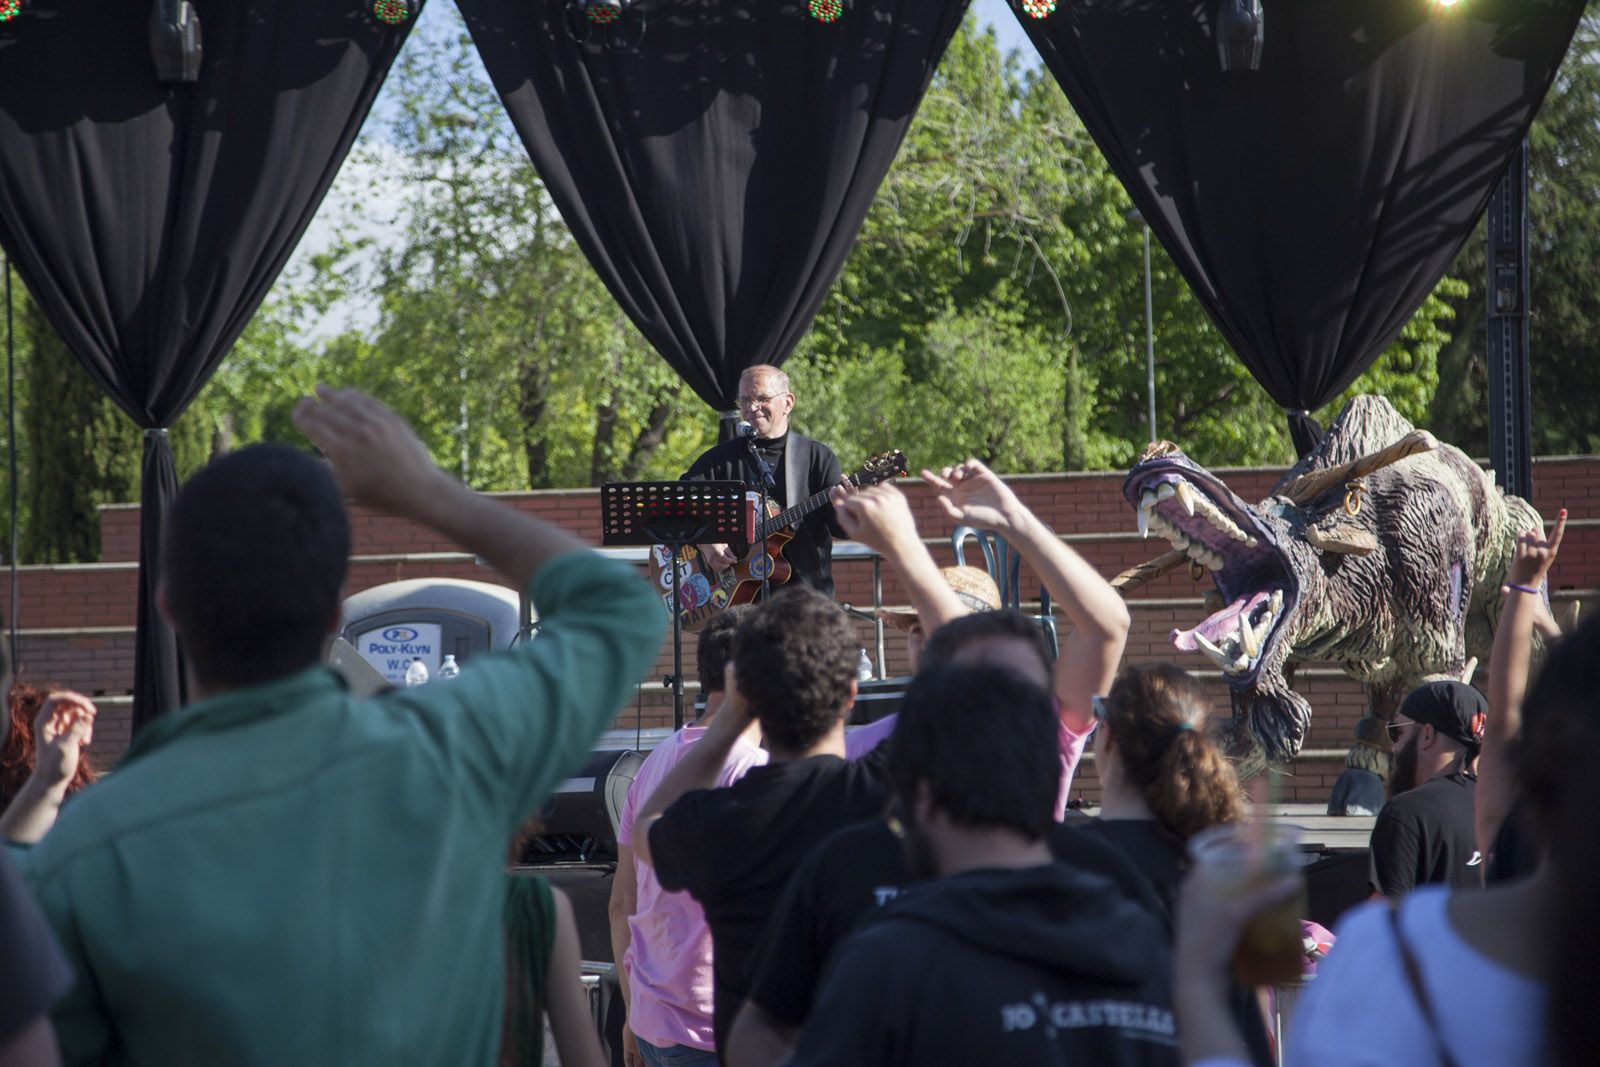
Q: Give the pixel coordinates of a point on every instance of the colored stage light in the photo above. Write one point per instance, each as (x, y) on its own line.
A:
(602, 12)
(175, 43)
(1038, 9)
(1239, 33)
(10, 9)
(393, 12)
(826, 10)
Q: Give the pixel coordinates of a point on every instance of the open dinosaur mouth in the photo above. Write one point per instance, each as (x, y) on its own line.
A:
(1256, 586)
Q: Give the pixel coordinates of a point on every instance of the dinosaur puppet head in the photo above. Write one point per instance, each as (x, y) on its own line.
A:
(1260, 569)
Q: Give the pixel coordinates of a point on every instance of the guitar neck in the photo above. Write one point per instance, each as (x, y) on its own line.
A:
(785, 519)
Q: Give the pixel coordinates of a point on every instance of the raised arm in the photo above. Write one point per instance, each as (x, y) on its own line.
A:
(699, 768)
(1508, 679)
(380, 462)
(61, 730)
(880, 518)
(973, 495)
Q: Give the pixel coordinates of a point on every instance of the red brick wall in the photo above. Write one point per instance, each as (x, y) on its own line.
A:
(57, 603)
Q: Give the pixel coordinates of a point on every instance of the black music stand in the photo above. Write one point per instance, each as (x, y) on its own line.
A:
(674, 514)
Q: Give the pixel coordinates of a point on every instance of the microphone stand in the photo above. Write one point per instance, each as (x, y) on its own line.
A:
(767, 482)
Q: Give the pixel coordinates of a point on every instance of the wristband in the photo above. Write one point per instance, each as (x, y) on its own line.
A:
(1522, 588)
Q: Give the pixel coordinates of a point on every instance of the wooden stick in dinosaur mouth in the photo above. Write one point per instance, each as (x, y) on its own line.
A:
(1134, 577)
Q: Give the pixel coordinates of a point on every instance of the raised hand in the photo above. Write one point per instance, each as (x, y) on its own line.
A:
(61, 730)
(1533, 555)
(878, 516)
(973, 495)
(377, 458)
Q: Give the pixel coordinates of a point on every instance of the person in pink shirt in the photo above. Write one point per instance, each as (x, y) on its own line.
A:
(973, 495)
(660, 940)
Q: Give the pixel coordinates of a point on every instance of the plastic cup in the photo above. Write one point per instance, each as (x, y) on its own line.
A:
(1238, 858)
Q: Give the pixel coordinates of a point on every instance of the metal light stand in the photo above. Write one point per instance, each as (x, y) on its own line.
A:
(674, 515)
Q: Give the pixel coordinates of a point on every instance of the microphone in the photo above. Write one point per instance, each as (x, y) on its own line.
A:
(744, 429)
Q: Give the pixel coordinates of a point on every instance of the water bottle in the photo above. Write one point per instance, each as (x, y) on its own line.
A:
(864, 667)
(417, 673)
(449, 668)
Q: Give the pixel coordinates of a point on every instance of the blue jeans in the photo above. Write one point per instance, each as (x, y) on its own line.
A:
(675, 1055)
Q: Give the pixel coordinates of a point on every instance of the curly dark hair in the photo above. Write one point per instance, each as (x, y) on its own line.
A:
(715, 646)
(983, 740)
(796, 659)
(17, 755)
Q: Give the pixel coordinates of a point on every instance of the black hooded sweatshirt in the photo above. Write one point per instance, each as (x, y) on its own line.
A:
(1039, 966)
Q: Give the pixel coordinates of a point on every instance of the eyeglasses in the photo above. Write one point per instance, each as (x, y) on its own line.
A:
(748, 401)
(1395, 729)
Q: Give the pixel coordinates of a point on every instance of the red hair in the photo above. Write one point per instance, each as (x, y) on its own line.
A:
(16, 759)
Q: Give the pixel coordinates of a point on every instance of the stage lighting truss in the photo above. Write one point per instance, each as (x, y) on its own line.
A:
(175, 45)
(1037, 9)
(620, 23)
(1240, 33)
(393, 12)
(11, 10)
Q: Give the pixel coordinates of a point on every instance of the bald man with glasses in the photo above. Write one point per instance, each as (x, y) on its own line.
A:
(800, 466)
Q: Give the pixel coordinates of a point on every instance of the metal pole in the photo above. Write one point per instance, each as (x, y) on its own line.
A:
(1510, 404)
(1149, 336)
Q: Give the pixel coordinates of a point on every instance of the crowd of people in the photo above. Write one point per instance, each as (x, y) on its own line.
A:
(280, 872)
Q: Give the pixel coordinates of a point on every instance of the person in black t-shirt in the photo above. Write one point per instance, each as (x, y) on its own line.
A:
(1426, 832)
(1164, 780)
(794, 670)
(800, 468)
(1003, 956)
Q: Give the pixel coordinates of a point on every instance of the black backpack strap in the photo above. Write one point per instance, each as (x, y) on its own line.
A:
(1418, 991)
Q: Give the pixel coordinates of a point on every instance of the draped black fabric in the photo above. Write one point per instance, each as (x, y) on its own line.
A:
(717, 173)
(149, 221)
(1312, 204)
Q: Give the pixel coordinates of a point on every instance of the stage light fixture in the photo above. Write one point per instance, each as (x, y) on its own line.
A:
(825, 10)
(1038, 9)
(175, 41)
(393, 12)
(1239, 32)
(602, 12)
(10, 9)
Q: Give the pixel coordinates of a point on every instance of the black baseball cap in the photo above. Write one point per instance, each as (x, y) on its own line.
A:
(1455, 709)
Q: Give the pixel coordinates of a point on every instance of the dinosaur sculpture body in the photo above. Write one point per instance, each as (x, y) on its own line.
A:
(1382, 552)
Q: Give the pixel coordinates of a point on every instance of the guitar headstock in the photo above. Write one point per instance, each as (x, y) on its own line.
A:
(881, 468)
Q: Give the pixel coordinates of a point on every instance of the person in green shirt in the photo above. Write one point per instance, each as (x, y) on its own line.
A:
(279, 873)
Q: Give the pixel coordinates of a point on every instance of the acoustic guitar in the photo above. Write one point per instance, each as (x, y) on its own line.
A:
(704, 592)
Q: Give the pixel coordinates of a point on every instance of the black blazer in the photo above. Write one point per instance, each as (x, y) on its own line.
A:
(807, 467)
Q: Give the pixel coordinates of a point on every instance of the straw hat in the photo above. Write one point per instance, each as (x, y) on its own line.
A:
(972, 585)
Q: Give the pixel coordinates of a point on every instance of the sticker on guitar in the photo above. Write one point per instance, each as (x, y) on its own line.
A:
(705, 591)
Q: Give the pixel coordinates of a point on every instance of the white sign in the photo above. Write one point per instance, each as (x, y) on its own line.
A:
(390, 649)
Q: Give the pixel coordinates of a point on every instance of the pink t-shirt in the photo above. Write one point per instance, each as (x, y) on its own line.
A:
(864, 739)
(668, 961)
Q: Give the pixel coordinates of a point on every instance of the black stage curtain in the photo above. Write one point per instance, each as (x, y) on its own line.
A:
(717, 172)
(1313, 204)
(149, 221)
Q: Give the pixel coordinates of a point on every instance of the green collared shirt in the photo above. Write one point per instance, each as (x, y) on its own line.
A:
(287, 875)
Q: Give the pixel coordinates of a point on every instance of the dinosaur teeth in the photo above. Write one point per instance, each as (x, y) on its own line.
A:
(1247, 637)
(1147, 501)
(1221, 658)
(1177, 539)
(1166, 491)
(1185, 493)
(1213, 561)
(1144, 523)
(1277, 603)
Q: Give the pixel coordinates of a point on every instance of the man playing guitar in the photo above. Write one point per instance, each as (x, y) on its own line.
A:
(801, 467)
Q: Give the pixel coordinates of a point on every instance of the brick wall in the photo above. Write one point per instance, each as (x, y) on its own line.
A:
(77, 620)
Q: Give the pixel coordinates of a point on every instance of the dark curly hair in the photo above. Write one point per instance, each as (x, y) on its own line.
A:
(796, 659)
(17, 756)
(715, 646)
(983, 740)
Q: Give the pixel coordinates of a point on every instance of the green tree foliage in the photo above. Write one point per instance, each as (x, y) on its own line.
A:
(1564, 248)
